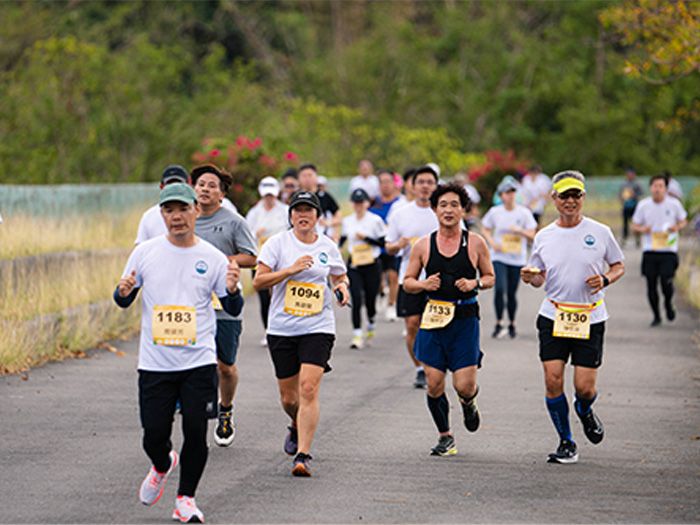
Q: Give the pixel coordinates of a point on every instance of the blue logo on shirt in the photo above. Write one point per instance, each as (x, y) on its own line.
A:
(323, 257)
(201, 267)
(589, 240)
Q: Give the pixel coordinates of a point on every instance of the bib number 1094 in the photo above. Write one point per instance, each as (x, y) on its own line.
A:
(304, 293)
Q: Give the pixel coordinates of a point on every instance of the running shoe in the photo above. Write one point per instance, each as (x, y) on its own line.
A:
(566, 453)
(498, 332)
(291, 442)
(670, 311)
(512, 332)
(300, 466)
(370, 333)
(592, 426)
(445, 447)
(356, 343)
(471, 414)
(225, 429)
(186, 511)
(263, 342)
(420, 379)
(153, 485)
(656, 322)
(390, 313)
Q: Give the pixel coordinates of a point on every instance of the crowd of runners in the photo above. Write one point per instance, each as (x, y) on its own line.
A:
(408, 246)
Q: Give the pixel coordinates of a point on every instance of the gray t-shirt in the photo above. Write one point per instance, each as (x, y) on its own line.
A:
(229, 232)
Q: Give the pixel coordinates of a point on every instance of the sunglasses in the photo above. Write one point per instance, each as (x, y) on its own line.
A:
(576, 195)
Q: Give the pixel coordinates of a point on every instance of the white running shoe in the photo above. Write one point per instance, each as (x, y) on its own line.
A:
(390, 313)
(153, 485)
(263, 342)
(356, 343)
(186, 511)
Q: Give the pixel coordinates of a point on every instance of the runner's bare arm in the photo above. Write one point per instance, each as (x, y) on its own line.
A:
(597, 282)
(488, 236)
(528, 234)
(678, 226)
(266, 278)
(640, 228)
(486, 274)
(392, 248)
(244, 260)
(411, 284)
(340, 282)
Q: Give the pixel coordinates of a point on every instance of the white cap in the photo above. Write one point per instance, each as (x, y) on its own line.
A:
(322, 180)
(435, 168)
(269, 186)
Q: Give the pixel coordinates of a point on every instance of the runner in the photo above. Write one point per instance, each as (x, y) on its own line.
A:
(507, 228)
(406, 226)
(228, 232)
(660, 218)
(365, 233)
(330, 211)
(388, 198)
(151, 223)
(575, 258)
(365, 180)
(290, 184)
(266, 218)
(535, 189)
(297, 265)
(629, 195)
(178, 273)
(448, 338)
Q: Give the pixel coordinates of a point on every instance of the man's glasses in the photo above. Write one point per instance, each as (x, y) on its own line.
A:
(576, 195)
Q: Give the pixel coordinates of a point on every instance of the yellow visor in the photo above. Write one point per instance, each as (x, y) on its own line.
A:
(568, 183)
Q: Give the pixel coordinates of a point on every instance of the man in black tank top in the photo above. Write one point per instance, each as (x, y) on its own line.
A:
(448, 338)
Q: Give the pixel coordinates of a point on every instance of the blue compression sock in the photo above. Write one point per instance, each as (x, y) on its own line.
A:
(583, 405)
(559, 412)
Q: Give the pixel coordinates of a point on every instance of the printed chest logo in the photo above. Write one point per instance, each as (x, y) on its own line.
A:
(218, 229)
(323, 257)
(589, 240)
(201, 267)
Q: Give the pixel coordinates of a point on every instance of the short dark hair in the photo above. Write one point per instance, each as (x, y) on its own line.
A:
(308, 166)
(442, 189)
(384, 172)
(425, 169)
(661, 176)
(225, 179)
(408, 174)
(290, 172)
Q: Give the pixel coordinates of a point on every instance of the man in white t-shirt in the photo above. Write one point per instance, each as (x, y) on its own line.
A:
(178, 273)
(575, 258)
(535, 189)
(406, 225)
(659, 218)
(366, 180)
(151, 224)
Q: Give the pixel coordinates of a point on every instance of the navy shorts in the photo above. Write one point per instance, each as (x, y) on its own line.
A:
(228, 335)
(451, 348)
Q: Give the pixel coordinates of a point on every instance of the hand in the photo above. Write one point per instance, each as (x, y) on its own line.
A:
(403, 242)
(673, 229)
(233, 273)
(302, 263)
(596, 283)
(343, 288)
(646, 229)
(127, 284)
(528, 274)
(359, 236)
(260, 232)
(432, 283)
(516, 229)
(466, 285)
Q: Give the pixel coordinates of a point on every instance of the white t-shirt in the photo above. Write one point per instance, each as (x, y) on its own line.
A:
(675, 189)
(170, 275)
(151, 225)
(500, 220)
(369, 184)
(226, 203)
(660, 216)
(410, 221)
(281, 251)
(570, 256)
(535, 191)
(370, 225)
(272, 221)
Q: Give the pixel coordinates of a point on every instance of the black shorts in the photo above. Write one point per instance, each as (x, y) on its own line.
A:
(584, 352)
(661, 264)
(197, 390)
(389, 262)
(228, 335)
(288, 353)
(408, 304)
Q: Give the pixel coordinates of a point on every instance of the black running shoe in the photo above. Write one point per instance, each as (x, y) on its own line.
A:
(498, 332)
(291, 441)
(511, 331)
(300, 466)
(225, 430)
(592, 426)
(471, 414)
(655, 322)
(445, 447)
(566, 453)
(670, 312)
(420, 379)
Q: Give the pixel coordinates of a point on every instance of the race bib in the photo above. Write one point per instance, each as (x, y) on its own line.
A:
(511, 243)
(361, 255)
(659, 240)
(437, 314)
(303, 299)
(215, 302)
(413, 240)
(573, 323)
(174, 325)
(627, 194)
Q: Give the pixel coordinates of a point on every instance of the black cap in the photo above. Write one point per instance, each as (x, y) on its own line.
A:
(359, 195)
(174, 173)
(305, 197)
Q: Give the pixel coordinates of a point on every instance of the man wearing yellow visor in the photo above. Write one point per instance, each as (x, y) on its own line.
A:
(575, 258)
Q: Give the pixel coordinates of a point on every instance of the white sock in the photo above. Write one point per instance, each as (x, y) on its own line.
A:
(357, 332)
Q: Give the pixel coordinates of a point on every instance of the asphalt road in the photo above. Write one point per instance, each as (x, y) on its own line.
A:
(70, 447)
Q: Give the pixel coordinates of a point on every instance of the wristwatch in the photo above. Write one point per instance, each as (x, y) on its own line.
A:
(606, 281)
(479, 286)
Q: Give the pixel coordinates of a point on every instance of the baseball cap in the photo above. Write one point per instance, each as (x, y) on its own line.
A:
(435, 168)
(174, 173)
(507, 184)
(269, 186)
(305, 197)
(178, 191)
(359, 195)
(322, 180)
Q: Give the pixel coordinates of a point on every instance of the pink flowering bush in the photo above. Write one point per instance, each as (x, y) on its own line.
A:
(497, 165)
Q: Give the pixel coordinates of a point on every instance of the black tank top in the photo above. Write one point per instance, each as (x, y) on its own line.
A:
(451, 269)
